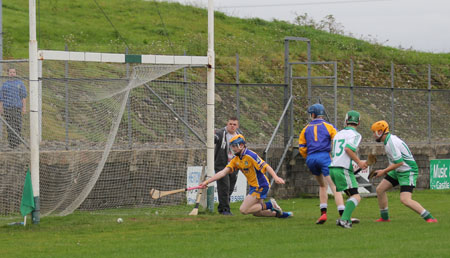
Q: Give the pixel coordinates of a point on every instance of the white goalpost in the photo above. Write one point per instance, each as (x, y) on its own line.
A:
(34, 116)
(109, 136)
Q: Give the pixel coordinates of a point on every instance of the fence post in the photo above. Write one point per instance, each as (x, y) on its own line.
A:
(238, 112)
(309, 73)
(335, 93)
(429, 103)
(186, 132)
(40, 98)
(66, 108)
(392, 126)
(351, 84)
(130, 128)
(287, 79)
(291, 94)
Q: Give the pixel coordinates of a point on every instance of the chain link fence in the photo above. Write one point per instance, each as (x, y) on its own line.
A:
(415, 101)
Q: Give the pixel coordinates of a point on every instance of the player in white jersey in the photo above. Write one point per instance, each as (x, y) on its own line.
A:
(402, 170)
(345, 143)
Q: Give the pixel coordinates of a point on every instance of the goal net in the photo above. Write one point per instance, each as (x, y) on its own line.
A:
(112, 130)
(14, 133)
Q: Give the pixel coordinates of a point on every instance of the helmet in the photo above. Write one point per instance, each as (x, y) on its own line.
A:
(237, 139)
(317, 109)
(380, 125)
(352, 117)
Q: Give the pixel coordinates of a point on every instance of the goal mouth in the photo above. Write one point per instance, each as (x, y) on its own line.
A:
(114, 126)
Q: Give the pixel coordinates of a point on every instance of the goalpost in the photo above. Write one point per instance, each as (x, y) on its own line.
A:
(94, 120)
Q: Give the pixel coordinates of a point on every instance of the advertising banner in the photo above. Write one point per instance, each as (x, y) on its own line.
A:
(439, 174)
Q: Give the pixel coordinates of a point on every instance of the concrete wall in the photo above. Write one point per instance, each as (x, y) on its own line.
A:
(129, 174)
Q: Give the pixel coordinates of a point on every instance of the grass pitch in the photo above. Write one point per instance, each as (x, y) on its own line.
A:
(144, 234)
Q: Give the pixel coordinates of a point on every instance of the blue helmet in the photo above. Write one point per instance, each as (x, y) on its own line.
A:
(317, 109)
(237, 139)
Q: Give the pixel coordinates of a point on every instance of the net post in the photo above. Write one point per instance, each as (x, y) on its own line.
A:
(34, 112)
(210, 104)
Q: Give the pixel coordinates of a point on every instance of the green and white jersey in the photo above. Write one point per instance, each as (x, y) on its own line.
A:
(346, 138)
(397, 151)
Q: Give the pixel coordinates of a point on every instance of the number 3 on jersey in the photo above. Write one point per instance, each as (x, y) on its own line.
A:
(338, 147)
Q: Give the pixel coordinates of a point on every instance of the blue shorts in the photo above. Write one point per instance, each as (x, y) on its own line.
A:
(318, 163)
(259, 192)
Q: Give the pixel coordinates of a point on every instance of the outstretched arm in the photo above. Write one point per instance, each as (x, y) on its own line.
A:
(217, 176)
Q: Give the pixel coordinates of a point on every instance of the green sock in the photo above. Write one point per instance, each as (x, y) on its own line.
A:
(426, 215)
(350, 206)
(384, 214)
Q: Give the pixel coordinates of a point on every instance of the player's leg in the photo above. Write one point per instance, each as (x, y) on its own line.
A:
(338, 184)
(265, 212)
(338, 198)
(251, 205)
(351, 204)
(345, 181)
(345, 221)
(323, 197)
(382, 188)
(271, 212)
(254, 203)
(386, 184)
(406, 199)
(407, 181)
(318, 165)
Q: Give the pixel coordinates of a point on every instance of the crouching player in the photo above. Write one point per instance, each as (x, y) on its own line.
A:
(345, 143)
(402, 170)
(254, 169)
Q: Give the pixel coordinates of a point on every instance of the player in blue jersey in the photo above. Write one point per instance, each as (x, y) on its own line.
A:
(254, 169)
(315, 145)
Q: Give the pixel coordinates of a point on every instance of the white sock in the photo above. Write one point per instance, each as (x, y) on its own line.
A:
(352, 199)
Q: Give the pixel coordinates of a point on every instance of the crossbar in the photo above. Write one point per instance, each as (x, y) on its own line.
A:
(120, 58)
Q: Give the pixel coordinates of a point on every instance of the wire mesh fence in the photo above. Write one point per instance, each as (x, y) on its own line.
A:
(166, 123)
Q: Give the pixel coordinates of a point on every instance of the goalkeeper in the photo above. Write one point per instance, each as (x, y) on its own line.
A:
(253, 168)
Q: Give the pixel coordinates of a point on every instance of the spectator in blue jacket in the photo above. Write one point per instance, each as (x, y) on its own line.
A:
(13, 104)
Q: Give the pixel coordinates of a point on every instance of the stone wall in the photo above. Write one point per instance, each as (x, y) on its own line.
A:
(300, 181)
(139, 168)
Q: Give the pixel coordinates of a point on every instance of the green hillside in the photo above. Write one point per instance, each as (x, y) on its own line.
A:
(149, 27)
(83, 26)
